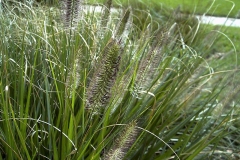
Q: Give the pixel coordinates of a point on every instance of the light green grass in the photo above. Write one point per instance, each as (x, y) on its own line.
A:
(225, 56)
(219, 7)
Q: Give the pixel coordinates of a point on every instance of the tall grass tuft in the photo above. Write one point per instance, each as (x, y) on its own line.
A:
(136, 88)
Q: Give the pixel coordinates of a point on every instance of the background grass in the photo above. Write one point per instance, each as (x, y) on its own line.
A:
(219, 7)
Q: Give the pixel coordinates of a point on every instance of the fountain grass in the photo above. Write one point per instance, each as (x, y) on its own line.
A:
(98, 91)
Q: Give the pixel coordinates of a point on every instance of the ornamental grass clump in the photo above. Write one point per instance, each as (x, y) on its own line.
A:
(132, 89)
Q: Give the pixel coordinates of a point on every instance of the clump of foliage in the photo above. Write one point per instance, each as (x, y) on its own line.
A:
(108, 90)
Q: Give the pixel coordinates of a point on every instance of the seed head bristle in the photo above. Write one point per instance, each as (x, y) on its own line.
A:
(99, 91)
(123, 143)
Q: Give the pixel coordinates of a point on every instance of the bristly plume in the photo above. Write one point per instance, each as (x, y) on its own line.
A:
(123, 143)
(73, 77)
(70, 12)
(149, 64)
(122, 24)
(106, 13)
(99, 90)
